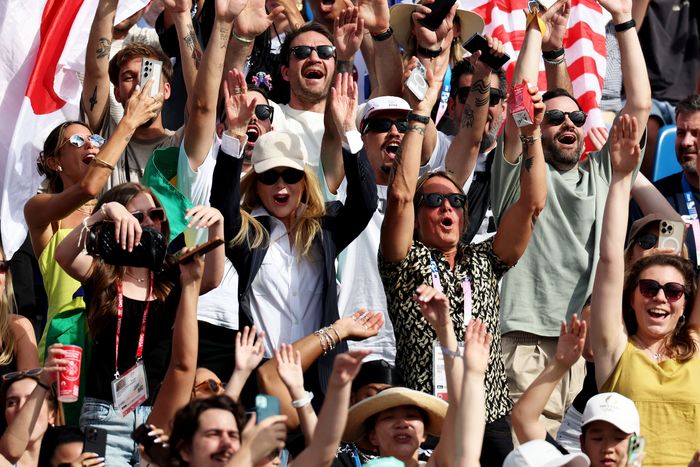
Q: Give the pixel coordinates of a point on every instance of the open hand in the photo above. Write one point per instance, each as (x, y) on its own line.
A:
(361, 325)
(254, 19)
(434, 305)
(571, 342)
(343, 104)
(249, 349)
(375, 14)
(624, 145)
(477, 342)
(347, 365)
(556, 18)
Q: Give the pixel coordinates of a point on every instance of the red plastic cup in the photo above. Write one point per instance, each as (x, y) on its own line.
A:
(69, 379)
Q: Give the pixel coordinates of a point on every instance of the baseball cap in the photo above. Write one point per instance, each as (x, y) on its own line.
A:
(279, 149)
(382, 103)
(613, 408)
(540, 453)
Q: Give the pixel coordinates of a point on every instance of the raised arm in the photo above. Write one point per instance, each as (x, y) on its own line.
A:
(608, 333)
(556, 18)
(516, 226)
(26, 353)
(527, 411)
(397, 228)
(650, 200)
(176, 390)
(205, 217)
(291, 373)
(249, 351)
(385, 53)
(190, 50)
(250, 23)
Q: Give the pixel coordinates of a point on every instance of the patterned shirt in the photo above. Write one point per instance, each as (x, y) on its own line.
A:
(414, 336)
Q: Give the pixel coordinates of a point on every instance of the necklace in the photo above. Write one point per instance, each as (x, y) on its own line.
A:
(657, 356)
(138, 279)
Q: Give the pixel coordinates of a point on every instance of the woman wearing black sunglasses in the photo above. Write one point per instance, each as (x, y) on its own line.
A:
(77, 165)
(648, 351)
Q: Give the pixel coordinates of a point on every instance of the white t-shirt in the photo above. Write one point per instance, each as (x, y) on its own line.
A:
(303, 123)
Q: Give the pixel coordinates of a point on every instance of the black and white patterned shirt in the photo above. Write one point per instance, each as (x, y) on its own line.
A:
(414, 336)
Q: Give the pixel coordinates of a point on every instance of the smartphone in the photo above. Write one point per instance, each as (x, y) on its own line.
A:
(478, 42)
(438, 12)
(546, 3)
(672, 235)
(151, 70)
(416, 82)
(200, 250)
(635, 450)
(95, 440)
(265, 407)
(157, 452)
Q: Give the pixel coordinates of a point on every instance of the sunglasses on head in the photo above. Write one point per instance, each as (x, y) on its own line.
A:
(211, 385)
(434, 200)
(155, 214)
(79, 141)
(289, 175)
(556, 117)
(649, 288)
(4, 266)
(15, 375)
(647, 241)
(494, 95)
(264, 112)
(382, 125)
(324, 52)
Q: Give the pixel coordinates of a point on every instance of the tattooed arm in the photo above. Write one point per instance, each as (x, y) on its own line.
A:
(463, 152)
(190, 50)
(518, 221)
(95, 96)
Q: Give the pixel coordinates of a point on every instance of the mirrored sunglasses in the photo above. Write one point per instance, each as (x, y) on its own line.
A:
(4, 266)
(647, 241)
(289, 175)
(495, 95)
(383, 125)
(556, 117)
(324, 52)
(155, 214)
(264, 112)
(649, 288)
(434, 200)
(79, 140)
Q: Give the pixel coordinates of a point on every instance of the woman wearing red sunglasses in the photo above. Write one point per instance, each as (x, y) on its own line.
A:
(649, 351)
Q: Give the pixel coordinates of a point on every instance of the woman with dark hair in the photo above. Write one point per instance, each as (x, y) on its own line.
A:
(131, 310)
(648, 351)
(77, 165)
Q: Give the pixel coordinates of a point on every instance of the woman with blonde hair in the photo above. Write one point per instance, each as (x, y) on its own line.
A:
(283, 239)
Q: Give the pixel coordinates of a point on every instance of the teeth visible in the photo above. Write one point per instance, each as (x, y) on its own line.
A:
(658, 313)
(252, 134)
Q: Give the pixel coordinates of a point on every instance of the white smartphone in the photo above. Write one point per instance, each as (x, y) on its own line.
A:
(672, 235)
(416, 82)
(151, 70)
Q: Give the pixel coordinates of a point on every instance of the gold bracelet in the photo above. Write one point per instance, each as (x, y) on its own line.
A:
(321, 340)
(103, 163)
(244, 40)
(340, 339)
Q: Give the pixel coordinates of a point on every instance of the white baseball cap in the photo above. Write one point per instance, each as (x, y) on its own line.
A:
(540, 453)
(382, 103)
(279, 149)
(613, 408)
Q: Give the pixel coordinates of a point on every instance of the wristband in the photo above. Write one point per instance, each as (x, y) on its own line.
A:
(243, 40)
(452, 353)
(382, 36)
(622, 27)
(553, 54)
(423, 52)
(411, 117)
(299, 403)
(557, 61)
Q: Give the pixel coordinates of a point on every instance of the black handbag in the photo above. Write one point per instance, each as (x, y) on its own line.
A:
(149, 253)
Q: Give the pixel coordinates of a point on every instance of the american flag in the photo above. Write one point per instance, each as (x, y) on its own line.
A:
(584, 44)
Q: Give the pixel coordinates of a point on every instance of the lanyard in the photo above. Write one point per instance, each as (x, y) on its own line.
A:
(444, 96)
(692, 215)
(466, 289)
(120, 314)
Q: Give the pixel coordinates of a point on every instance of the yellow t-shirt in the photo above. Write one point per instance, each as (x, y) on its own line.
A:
(667, 396)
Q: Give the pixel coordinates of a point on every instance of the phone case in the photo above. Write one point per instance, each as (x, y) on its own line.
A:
(635, 450)
(416, 82)
(672, 235)
(151, 69)
(478, 42)
(438, 12)
(265, 407)
(95, 440)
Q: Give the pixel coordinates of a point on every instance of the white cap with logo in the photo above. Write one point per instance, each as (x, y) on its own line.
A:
(540, 453)
(382, 103)
(613, 408)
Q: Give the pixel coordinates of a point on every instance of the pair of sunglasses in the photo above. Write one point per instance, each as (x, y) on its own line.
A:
(324, 52)
(649, 288)
(155, 214)
(289, 175)
(556, 117)
(383, 125)
(434, 200)
(494, 95)
(4, 266)
(79, 141)
(211, 385)
(264, 112)
(647, 241)
(15, 375)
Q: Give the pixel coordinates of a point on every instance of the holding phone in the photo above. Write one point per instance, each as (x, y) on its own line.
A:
(151, 70)
(672, 235)
(156, 452)
(439, 10)
(635, 450)
(478, 43)
(416, 82)
(265, 407)
(200, 250)
(95, 440)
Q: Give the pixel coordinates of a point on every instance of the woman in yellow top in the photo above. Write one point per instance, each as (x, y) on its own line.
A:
(77, 167)
(648, 351)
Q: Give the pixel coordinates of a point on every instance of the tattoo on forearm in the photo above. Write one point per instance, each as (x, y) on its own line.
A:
(193, 44)
(103, 46)
(528, 159)
(93, 99)
(467, 117)
(416, 129)
(344, 66)
(224, 34)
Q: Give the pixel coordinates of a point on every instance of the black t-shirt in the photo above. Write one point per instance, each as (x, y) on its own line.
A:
(156, 348)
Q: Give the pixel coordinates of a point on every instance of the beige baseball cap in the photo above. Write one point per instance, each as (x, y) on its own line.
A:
(279, 149)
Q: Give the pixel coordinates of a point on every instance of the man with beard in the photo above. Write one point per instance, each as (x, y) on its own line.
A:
(681, 189)
(555, 275)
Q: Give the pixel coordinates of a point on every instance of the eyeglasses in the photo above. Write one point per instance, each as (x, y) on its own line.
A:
(155, 214)
(495, 95)
(433, 200)
(324, 52)
(211, 385)
(264, 112)
(647, 241)
(4, 266)
(79, 141)
(649, 288)
(556, 117)
(382, 125)
(290, 176)
(15, 375)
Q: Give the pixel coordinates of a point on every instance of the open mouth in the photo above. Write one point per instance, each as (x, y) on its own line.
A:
(658, 314)
(281, 199)
(252, 134)
(567, 138)
(446, 222)
(392, 148)
(221, 456)
(87, 158)
(313, 73)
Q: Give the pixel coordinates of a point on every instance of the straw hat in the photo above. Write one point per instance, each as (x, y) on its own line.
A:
(401, 23)
(390, 398)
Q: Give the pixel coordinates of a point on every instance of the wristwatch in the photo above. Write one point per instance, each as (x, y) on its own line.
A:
(411, 117)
